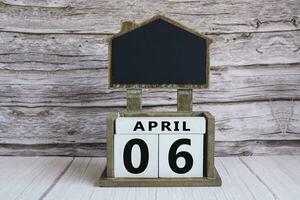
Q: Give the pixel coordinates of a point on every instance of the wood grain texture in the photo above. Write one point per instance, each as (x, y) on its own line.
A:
(274, 120)
(237, 121)
(28, 178)
(250, 178)
(61, 149)
(223, 148)
(241, 180)
(89, 87)
(54, 52)
(53, 73)
(277, 178)
(79, 180)
(78, 16)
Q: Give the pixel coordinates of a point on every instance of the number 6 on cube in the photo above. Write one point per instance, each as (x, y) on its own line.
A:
(181, 155)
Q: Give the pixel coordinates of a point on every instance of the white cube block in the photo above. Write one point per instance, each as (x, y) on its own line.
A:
(181, 155)
(136, 156)
(160, 125)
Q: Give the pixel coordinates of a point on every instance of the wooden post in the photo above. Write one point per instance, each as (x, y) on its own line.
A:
(185, 100)
(134, 99)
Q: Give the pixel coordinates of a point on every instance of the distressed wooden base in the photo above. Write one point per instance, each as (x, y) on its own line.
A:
(104, 181)
(211, 178)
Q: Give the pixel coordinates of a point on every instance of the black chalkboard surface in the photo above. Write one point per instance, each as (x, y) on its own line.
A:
(158, 54)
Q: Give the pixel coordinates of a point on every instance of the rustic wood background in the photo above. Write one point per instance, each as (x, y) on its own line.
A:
(54, 96)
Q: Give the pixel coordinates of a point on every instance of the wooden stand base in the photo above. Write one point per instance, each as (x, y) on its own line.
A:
(104, 181)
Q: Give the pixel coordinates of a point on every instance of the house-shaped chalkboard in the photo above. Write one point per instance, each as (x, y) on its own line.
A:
(159, 53)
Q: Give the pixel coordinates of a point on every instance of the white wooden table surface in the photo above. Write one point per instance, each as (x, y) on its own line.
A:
(276, 177)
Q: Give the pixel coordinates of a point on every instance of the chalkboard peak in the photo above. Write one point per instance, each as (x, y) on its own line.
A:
(158, 53)
(161, 19)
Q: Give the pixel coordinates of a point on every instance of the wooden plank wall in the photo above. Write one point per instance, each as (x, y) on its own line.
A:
(54, 96)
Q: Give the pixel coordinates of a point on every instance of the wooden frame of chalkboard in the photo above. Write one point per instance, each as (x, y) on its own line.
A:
(132, 27)
(210, 178)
